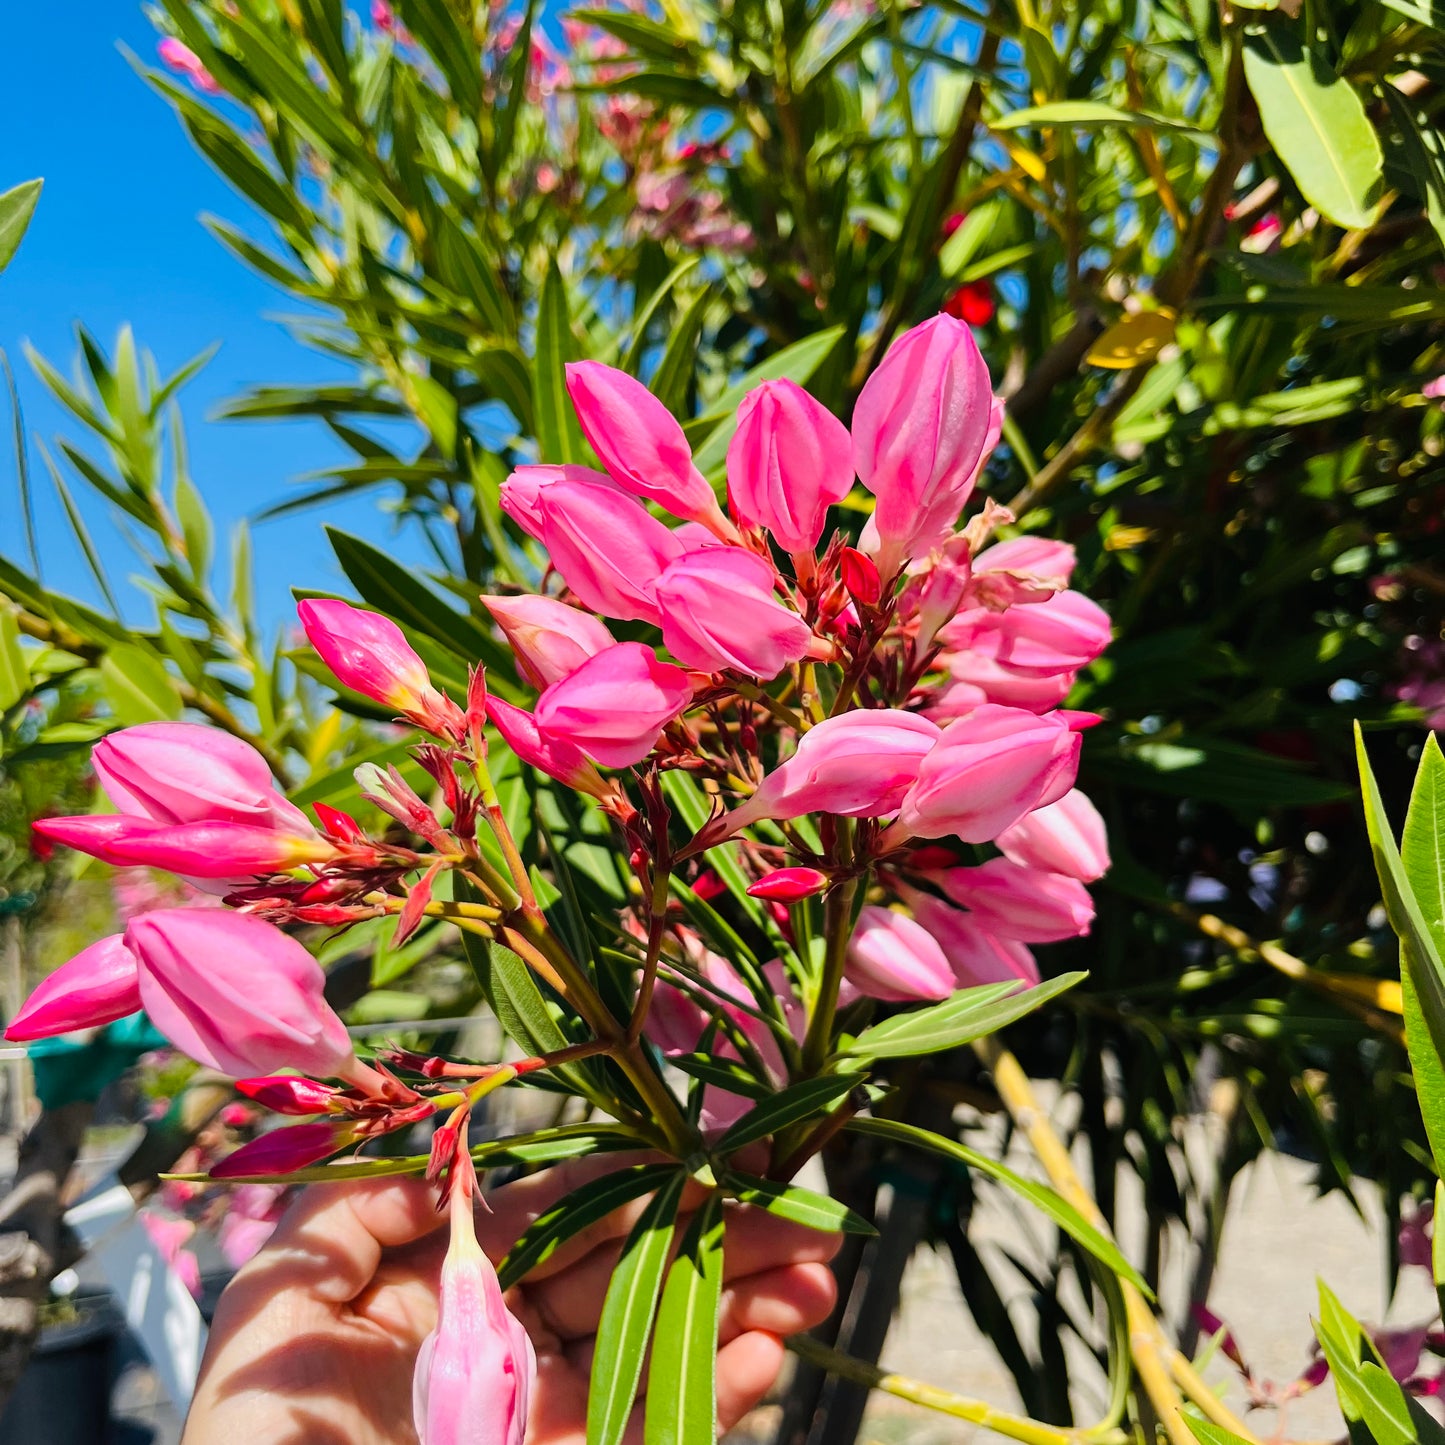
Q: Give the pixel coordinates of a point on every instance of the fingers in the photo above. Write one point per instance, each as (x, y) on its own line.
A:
(755, 1242)
(330, 1242)
(746, 1370)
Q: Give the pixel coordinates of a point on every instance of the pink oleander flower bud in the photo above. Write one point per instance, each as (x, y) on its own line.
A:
(194, 850)
(369, 654)
(99, 985)
(609, 549)
(788, 462)
(641, 443)
(987, 770)
(860, 577)
(941, 590)
(179, 56)
(289, 1094)
(283, 1151)
(857, 765)
(521, 493)
(548, 638)
(891, 957)
(1015, 901)
(555, 756)
(1066, 837)
(975, 678)
(975, 955)
(921, 428)
(1042, 639)
(237, 994)
(476, 1371)
(789, 885)
(719, 612)
(615, 705)
(1021, 570)
(179, 772)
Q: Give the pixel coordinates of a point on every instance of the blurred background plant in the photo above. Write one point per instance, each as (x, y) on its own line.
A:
(1201, 250)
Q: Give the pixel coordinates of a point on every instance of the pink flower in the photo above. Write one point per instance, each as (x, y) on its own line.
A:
(1434, 389)
(788, 462)
(1065, 837)
(99, 985)
(555, 756)
(615, 705)
(236, 994)
(178, 772)
(920, 431)
(609, 549)
(987, 770)
(194, 850)
(179, 57)
(857, 765)
(476, 1371)
(641, 443)
(891, 957)
(369, 654)
(719, 612)
(240, 1237)
(548, 638)
(1019, 902)
(283, 1151)
(169, 1237)
(975, 955)
(789, 885)
(1043, 639)
(383, 16)
(521, 493)
(1023, 569)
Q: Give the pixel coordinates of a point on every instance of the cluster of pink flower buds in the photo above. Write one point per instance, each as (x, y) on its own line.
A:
(876, 725)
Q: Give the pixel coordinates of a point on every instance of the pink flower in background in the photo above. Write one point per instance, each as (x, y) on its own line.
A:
(1019, 902)
(179, 57)
(975, 955)
(719, 612)
(170, 1236)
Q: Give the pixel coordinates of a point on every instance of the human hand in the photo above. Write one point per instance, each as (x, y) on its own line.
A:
(315, 1340)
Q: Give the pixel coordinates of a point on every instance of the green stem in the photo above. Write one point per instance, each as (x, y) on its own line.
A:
(961, 1407)
(838, 928)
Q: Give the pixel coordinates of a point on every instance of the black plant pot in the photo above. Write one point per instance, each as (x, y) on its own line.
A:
(63, 1397)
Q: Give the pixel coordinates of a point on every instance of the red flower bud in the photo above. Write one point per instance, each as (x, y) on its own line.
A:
(789, 885)
(860, 577)
(285, 1095)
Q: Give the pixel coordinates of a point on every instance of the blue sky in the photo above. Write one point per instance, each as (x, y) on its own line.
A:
(117, 238)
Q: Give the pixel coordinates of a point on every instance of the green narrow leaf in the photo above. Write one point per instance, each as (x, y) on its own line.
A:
(1044, 1199)
(674, 371)
(970, 1014)
(573, 1213)
(1214, 1434)
(791, 1202)
(1316, 122)
(640, 321)
(1420, 951)
(14, 674)
(1424, 149)
(627, 1315)
(1086, 114)
(559, 438)
(1422, 853)
(17, 205)
(682, 1379)
(788, 1106)
(1426, 1065)
(137, 685)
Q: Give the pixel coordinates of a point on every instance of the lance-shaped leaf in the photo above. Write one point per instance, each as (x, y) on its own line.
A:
(574, 1212)
(627, 1315)
(789, 1106)
(1046, 1200)
(970, 1014)
(791, 1202)
(682, 1379)
(17, 205)
(559, 437)
(1316, 122)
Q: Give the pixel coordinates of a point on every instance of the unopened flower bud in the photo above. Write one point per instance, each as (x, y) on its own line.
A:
(789, 885)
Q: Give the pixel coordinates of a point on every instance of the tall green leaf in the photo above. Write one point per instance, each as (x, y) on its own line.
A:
(1316, 122)
(559, 438)
(788, 1106)
(17, 205)
(681, 1382)
(627, 1315)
